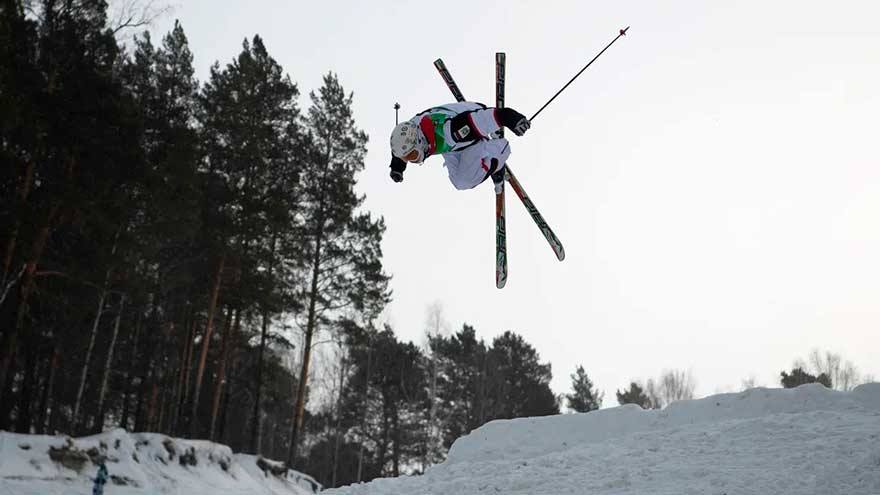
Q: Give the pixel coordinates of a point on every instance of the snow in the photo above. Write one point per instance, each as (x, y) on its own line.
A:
(138, 463)
(808, 440)
(805, 441)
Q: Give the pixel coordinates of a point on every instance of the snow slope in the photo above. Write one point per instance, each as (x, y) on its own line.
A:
(808, 440)
(139, 463)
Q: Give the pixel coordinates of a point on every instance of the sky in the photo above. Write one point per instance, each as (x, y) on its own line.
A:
(714, 176)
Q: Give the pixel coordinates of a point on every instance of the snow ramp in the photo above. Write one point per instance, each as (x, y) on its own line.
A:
(807, 440)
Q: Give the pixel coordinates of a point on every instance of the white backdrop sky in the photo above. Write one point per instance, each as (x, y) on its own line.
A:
(714, 176)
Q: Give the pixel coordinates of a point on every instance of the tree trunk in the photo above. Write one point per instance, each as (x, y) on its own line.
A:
(186, 373)
(180, 354)
(25, 288)
(366, 411)
(6, 406)
(209, 328)
(23, 421)
(163, 409)
(256, 419)
(183, 375)
(99, 424)
(152, 406)
(337, 437)
(220, 379)
(46, 403)
(160, 371)
(57, 411)
(22, 192)
(482, 392)
(395, 444)
(386, 430)
(302, 385)
(129, 371)
(432, 413)
(85, 368)
(142, 415)
(227, 394)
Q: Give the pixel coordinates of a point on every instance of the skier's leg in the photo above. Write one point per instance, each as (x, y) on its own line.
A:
(499, 151)
(477, 163)
(454, 167)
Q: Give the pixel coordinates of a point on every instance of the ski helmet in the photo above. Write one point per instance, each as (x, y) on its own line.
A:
(406, 138)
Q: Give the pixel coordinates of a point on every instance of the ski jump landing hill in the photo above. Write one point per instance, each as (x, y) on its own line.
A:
(808, 440)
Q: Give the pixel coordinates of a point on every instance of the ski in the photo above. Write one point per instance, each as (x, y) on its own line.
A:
(447, 77)
(500, 230)
(545, 229)
(500, 215)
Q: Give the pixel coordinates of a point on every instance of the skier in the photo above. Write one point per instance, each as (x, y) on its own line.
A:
(466, 134)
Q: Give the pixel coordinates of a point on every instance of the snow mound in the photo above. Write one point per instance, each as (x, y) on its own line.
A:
(808, 440)
(138, 463)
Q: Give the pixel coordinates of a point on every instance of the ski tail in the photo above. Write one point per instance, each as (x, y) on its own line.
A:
(447, 78)
(545, 229)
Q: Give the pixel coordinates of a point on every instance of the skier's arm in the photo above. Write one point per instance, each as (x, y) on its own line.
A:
(513, 120)
(484, 123)
(397, 168)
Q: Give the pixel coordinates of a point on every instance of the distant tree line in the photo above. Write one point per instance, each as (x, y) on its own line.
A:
(399, 407)
(826, 368)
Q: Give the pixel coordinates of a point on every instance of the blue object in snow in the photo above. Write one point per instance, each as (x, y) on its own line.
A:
(100, 480)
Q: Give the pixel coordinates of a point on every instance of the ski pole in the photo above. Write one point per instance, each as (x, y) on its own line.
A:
(622, 33)
(396, 108)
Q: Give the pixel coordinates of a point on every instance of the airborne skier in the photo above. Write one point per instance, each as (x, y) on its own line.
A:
(467, 134)
(470, 137)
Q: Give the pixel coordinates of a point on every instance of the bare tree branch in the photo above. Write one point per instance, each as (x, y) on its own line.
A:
(125, 14)
(12, 283)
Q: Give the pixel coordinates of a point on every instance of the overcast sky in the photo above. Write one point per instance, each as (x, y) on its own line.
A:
(714, 176)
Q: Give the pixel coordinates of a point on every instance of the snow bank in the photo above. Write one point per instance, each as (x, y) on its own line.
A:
(808, 440)
(516, 438)
(138, 463)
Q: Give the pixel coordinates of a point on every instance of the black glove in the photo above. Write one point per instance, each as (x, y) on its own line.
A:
(521, 127)
(513, 120)
(397, 168)
(498, 176)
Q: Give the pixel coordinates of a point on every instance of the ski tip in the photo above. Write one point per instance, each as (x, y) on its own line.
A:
(623, 31)
(438, 62)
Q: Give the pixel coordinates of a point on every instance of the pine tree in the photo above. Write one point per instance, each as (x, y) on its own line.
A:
(70, 201)
(584, 397)
(799, 377)
(518, 383)
(383, 405)
(253, 145)
(341, 245)
(462, 382)
(634, 395)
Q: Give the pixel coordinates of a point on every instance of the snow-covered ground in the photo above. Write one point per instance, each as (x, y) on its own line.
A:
(808, 440)
(804, 441)
(138, 463)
